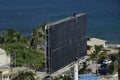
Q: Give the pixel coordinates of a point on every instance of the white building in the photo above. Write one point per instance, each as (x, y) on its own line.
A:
(4, 59)
(4, 74)
(92, 42)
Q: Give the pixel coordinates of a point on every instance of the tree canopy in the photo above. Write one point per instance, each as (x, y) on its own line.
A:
(25, 76)
(24, 54)
(98, 53)
(19, 48)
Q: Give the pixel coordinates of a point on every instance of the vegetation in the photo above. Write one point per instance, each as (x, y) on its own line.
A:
(117, 67)
(83, 69)
(98, 53)
(38, 35)
(24, 54)
(65, 77)
(23, 49)
(10, 36)
(25, 76)
(95, 55)
(116, 57)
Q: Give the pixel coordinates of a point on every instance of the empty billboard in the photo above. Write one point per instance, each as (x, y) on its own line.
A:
(65, 41)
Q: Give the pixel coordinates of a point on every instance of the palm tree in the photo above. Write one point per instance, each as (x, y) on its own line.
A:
(42, 26)
(34, 38)
(38, 35)
(95, 55)
(10, 36)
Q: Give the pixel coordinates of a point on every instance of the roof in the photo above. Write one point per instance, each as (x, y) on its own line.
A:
(95, 41)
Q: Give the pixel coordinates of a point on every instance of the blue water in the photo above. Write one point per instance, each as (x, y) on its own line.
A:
(23, 15)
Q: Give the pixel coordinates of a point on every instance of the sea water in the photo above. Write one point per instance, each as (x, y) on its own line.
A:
(103, 16)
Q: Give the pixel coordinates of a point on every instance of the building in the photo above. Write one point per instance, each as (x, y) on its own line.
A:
(4, 65)
(4, 74)
(92, 42)
(4, 59)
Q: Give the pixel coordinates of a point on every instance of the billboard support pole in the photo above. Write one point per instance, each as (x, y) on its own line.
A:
(76, 59)
(45, 50)
(76, 70)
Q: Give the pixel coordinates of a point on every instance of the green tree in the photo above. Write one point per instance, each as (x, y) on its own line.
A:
(42, 26)
(83, 69)
(103, 55)
(95, 55)
(2, 40)
(56, 78)
(34, 38)
(24, 40)
(10, 36)
(115, 66)
(38, 35)
(25, 76)
(24, 54)
(65, 77)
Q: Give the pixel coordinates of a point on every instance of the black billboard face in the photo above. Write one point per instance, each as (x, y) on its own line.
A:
(65, 42)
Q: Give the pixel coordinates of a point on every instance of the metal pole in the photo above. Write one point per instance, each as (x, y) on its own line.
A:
(76, 60)
(45, 50)
(76, 71)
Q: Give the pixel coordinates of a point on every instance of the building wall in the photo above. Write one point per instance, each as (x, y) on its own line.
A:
(3, 74)
(90, 50)
(4, 58)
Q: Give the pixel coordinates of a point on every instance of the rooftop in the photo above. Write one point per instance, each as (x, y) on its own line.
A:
(95, 41)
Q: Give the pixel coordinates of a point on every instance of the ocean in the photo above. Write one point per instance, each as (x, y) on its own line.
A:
(103, 19)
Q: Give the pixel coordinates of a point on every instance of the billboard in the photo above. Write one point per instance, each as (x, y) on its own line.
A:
(65, 41)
